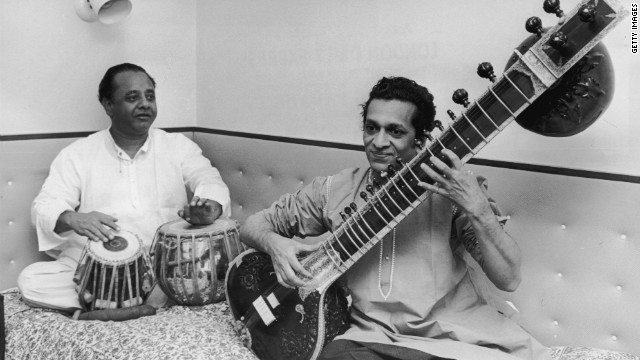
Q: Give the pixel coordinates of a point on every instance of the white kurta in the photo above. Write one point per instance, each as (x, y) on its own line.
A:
(94, 174)
(433, 304)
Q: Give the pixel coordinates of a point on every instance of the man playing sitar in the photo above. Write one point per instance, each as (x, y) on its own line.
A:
(415, 294)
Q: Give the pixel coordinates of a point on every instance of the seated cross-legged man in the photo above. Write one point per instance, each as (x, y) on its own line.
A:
(128, 177)
(417, 293)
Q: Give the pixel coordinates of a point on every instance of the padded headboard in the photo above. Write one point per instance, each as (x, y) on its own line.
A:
(579, 236)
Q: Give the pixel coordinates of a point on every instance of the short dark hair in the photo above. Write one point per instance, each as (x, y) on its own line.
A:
(403, 89)
(105, 89)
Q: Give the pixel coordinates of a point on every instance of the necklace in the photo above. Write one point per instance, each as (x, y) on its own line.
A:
(393, 256)
(393, 262)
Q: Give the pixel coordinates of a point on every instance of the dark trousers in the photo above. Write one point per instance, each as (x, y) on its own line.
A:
(352, 350)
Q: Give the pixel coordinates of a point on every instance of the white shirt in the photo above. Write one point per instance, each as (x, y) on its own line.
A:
(94, 174)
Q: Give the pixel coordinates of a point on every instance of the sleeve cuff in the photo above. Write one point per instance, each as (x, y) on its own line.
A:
(45, 225)
(213, 192)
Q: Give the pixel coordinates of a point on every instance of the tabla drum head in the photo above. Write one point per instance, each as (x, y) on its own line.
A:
(181, 226)
(122, 249)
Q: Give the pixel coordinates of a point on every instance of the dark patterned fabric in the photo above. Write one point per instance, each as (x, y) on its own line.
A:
(179, 332)
(585, 353)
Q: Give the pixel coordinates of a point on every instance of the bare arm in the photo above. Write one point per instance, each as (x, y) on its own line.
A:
(500, 254)
(94, 225)
(258, 233)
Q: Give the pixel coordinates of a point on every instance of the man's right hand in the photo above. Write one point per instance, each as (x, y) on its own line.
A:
(94, 225)
(284, 255)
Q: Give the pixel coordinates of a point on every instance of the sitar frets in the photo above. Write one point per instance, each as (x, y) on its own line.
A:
(389, 204)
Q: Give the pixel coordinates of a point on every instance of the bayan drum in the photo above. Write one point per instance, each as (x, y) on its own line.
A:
(114, 274)
(191, 262)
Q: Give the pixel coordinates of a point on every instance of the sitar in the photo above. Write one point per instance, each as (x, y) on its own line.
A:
(287, 323)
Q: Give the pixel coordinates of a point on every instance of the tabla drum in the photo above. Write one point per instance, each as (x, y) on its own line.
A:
(114, 274)
(191, 262)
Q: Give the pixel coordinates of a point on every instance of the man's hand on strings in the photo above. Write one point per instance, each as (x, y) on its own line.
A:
(284, 255)
(455, 182)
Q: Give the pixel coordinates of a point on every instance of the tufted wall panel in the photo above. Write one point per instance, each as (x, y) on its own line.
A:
(579, 237)
(23, 167)
(580, 240)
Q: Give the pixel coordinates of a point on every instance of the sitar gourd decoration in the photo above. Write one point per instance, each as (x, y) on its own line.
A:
(287, 323)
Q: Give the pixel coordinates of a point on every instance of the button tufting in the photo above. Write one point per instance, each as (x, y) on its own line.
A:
(563, 227)
(241, 172)
(9, 183)
(623, 237)
(270, 177)
(12, 261)
(560, 275)
(555, 323)
(10, 222)
(619, 288)
(614, 338)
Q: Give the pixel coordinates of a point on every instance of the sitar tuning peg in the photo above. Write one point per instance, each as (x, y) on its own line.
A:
(587, 13)
(553, 7)
(485, 70)
(390, 170)
(451, 114)
(534, 25)
(438, 124)
(427, 134)
(558, 41)
(369, 188)
(461, 97)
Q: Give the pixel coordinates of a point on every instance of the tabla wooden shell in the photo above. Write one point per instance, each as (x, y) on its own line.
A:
(190, 262)
(116, 274)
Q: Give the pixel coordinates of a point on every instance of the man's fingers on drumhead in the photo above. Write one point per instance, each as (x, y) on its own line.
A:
(110, 224)
(186, 213)
(101, 233)
(106, 232)
(89, 234)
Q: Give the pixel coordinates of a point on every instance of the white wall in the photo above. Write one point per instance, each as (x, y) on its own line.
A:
(291, 68)
(51, 63)
(300, 69)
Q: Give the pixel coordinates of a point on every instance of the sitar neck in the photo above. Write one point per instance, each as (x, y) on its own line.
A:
(530, 76)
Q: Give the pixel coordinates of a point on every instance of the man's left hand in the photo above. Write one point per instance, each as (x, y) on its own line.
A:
(456, 183)
(201, 211)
